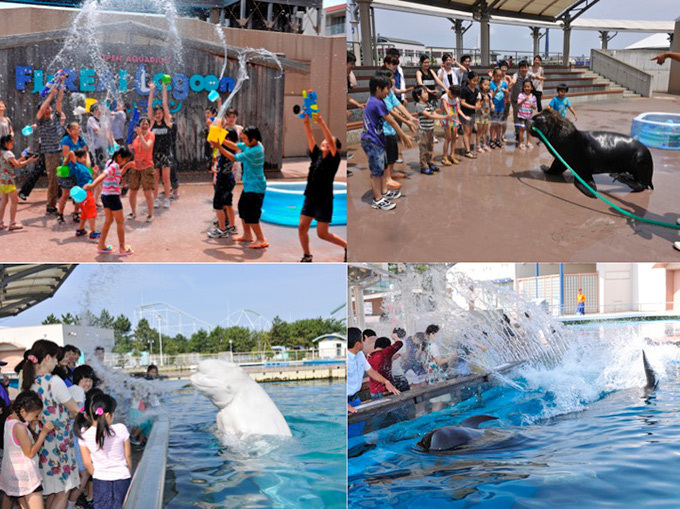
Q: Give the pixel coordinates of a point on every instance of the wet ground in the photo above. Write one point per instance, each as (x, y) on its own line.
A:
(502, 207)
(177, 234)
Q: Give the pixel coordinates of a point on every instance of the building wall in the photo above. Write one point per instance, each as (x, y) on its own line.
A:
(328, 348)
(326, 56)
(641, 59)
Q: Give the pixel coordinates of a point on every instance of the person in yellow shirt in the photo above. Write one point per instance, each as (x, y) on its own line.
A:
(580, 303)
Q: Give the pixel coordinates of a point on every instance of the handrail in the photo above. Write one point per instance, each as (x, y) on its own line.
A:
(148, 483)
(621, 72)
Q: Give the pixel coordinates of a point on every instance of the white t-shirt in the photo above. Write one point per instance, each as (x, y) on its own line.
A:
(78, 394)
(357, 365)
(434, 350)
(109, 461)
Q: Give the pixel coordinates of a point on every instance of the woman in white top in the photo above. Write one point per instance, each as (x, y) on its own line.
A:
(537, 79)
(5, 122)
(57, 458)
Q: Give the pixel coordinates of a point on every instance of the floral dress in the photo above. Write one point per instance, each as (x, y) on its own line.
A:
(57, 457)
(432, 368)
(7, 182)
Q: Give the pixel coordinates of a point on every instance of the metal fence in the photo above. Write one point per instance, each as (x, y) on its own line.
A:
(547, 289)
(131, 361)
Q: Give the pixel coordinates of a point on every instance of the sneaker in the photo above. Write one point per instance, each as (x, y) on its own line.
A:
(149, 219)
(433, 168)
(216, 233)
(676, 245)
(307, 258)
(80, 233)
(231, 230)
(95, 235)
(166, 203)
(400, 160)
(392, 194)
(156, 203)
(383, 204)
(426, 171)
(23, 196)
(131, 216)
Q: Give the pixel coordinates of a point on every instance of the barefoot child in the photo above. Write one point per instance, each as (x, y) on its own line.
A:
(8, 188)
(112, 176)
(450, 107)
(106, 453)
(319, 191)
(20, 474)
(251, 155)
(526, 104)
(82, 176)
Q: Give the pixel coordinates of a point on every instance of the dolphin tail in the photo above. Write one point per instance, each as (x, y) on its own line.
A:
(476, 420)
(652, 380)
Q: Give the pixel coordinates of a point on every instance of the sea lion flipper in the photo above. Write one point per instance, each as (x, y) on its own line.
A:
(476, 420)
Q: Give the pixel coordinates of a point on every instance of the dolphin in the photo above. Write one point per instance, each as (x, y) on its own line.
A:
(450, 437)
(652, 379)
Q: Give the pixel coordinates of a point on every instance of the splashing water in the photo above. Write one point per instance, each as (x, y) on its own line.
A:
(244, 56)
(486, 325)
(223, 40)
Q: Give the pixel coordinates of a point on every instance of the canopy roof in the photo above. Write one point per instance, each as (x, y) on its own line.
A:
(453, 11)
(24, 286)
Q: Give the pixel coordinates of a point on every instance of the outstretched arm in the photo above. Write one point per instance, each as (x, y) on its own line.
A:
(379, 378)
(166, 109)
(311, 142)
(660, 59)
(330, 139)
(60, 95)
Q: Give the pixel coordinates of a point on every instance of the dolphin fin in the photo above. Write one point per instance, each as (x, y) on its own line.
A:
(652, 379)
(476, 420)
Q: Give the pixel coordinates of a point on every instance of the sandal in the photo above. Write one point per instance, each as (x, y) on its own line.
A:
(307, 258)
(60, 219)
(128, 251)
(76, 217)
(107, 250)
(260, 245)
(149, 219)
(446, 161)
(95, 235)
(470, 155)
(14, 226)
(80, 233)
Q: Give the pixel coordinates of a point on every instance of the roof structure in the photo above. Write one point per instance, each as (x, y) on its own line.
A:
(24, 286)
(654, 41)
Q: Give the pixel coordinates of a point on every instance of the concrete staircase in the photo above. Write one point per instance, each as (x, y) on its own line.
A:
(584, 86)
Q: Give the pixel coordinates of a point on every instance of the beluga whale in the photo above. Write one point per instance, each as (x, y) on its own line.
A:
(244, 406)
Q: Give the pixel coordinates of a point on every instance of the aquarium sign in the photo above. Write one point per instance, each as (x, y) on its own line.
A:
(88, 80)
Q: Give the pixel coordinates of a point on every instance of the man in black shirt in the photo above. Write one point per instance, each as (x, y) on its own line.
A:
(319, 192)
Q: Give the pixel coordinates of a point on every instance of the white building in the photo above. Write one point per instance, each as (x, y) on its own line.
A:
(331, 346)
(333, 21)
(14, 341)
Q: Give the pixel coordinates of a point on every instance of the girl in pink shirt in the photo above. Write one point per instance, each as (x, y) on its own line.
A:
(20, 474)
(106, 453)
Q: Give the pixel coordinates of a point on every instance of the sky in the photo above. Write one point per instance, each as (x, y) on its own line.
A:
(434, 31)
(292, 291)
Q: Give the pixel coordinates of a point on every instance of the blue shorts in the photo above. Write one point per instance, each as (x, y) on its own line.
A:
(377, 158)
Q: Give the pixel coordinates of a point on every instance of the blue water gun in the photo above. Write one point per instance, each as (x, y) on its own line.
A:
(52, 83)
(131, 126)
(310, 108)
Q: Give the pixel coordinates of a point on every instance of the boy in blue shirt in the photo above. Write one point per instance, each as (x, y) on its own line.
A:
(82, 175)
(561, 103)
(373, 140)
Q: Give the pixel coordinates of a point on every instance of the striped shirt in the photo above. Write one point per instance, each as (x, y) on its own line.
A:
(111, 184)
(426, 124)
(253, 167)
(51, 133)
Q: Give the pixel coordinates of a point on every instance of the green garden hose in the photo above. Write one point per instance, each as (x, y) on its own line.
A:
(615, 207)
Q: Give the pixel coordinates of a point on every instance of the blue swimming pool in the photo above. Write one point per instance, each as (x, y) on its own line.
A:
(283, 203)
(306, 471)
(580, 434)
(657, 129)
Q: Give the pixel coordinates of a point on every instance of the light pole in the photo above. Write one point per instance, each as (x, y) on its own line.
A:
(231, 350)
(160, 337)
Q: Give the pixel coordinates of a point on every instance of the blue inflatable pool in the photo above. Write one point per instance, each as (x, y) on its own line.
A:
(283, 203)
(657, 130)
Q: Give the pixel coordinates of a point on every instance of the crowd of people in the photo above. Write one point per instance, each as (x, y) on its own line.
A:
(113, 158)
(397, 364)
(62, 443)
(476, 107)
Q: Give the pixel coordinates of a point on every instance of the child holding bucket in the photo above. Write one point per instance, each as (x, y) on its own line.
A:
(8, 188)
(112, 176)
(250, 153)
(69, 143)
(88, 210)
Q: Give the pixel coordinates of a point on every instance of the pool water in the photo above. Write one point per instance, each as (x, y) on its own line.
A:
(657, 130)
(573, 436)
(305, 471)
(283, 203)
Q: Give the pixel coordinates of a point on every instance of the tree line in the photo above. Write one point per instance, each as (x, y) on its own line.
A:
(293, 335)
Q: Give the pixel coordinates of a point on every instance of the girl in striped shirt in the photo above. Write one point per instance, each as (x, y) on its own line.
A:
(113, 207)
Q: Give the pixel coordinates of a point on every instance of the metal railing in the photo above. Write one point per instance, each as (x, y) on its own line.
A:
(631, 308)
(186, 360)
(148, 483)
(621, 72)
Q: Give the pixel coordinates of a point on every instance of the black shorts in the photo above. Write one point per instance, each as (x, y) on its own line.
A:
(161, 160)
(250, 207)
(391, 149)
(320, 210)
(112, 202)
(224, 187)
